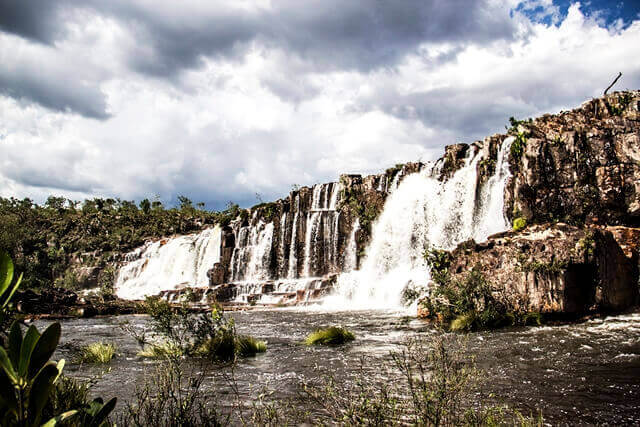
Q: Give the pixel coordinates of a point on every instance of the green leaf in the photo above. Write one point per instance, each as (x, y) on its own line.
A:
(6, 297)
(103, 413)
(6, 271)
(66, 416)
(7, 394)
(15, 342)
(40, 390)
(44, 349)
(5, 362)
(28, 344)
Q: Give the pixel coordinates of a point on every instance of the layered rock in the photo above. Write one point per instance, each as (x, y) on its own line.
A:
(553, 269)
(580, 166)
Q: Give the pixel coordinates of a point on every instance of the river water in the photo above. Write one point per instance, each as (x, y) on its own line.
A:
(587, 373)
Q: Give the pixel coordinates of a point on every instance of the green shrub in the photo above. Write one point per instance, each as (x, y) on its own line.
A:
(439, 262)
(249, 346)
(464, 322)
(333, 335)
(519, 223)
(98, 353)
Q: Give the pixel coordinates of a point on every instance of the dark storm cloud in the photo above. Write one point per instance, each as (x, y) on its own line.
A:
(332, 34)
(59, 94)
(31, 19)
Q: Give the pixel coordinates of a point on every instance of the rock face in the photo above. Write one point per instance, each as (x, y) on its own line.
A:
(553, 268)
(580, 166)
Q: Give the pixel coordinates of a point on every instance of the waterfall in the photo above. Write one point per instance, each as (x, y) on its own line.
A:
(423, 212)
(251, 257)
(169, 264)
(293, 259)
(351, 252)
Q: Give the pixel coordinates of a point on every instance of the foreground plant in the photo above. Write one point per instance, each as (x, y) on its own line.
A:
(7, 288)
(27, 376)
(98, 353)
(437, 384)
(173, 398)
(333, 335)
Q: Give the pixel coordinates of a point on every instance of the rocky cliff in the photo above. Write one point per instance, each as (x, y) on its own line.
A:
(576, 176)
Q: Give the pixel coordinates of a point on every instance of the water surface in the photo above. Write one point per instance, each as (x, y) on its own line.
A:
(581, 373)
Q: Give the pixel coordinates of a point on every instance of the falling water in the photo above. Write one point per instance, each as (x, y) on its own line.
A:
(252, 255)
(169, 264)
(423, 212)
(351, 252)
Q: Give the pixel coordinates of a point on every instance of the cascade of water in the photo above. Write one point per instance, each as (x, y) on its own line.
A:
(281, 247)
(491, 217)
(168, 264)
(420, 213)
(351, 252)
(252, 255)
(293, 259)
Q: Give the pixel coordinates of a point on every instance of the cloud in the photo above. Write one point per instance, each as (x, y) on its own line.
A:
(219, 104)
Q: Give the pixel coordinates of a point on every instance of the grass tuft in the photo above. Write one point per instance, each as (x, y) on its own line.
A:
(164, 350)
(463, 322)
(249, 346)
(98, 352)
(333, 335)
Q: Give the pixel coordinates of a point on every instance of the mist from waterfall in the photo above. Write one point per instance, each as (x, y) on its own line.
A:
(168, 264)
(421, 213)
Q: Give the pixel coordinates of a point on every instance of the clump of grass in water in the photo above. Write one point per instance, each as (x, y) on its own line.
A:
(164, 350)
(98, 353)
(333, 335)
(249, 346)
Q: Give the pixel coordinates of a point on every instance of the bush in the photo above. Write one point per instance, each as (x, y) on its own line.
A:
(333, 335)
(171, 398)
(249, 346)
(98, 352)
(519, 223)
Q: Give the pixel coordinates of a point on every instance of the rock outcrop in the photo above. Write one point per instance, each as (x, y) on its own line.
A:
(580, 166)
(553, 269)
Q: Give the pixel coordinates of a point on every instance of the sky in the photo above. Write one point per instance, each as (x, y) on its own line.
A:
(239, 100)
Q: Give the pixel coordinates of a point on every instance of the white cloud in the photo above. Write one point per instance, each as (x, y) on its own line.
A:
(269, 118)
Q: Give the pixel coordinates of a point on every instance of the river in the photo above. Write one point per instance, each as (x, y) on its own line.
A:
(579, 373)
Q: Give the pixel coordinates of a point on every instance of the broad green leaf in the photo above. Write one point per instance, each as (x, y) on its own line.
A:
(104, 412)
(28, 344)
(15, 342)
(6, 271)
(66, 416)
(40, 390)
(44, 349)
(60, 367)
(6, 297)
(5, 362)
(7, 395)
